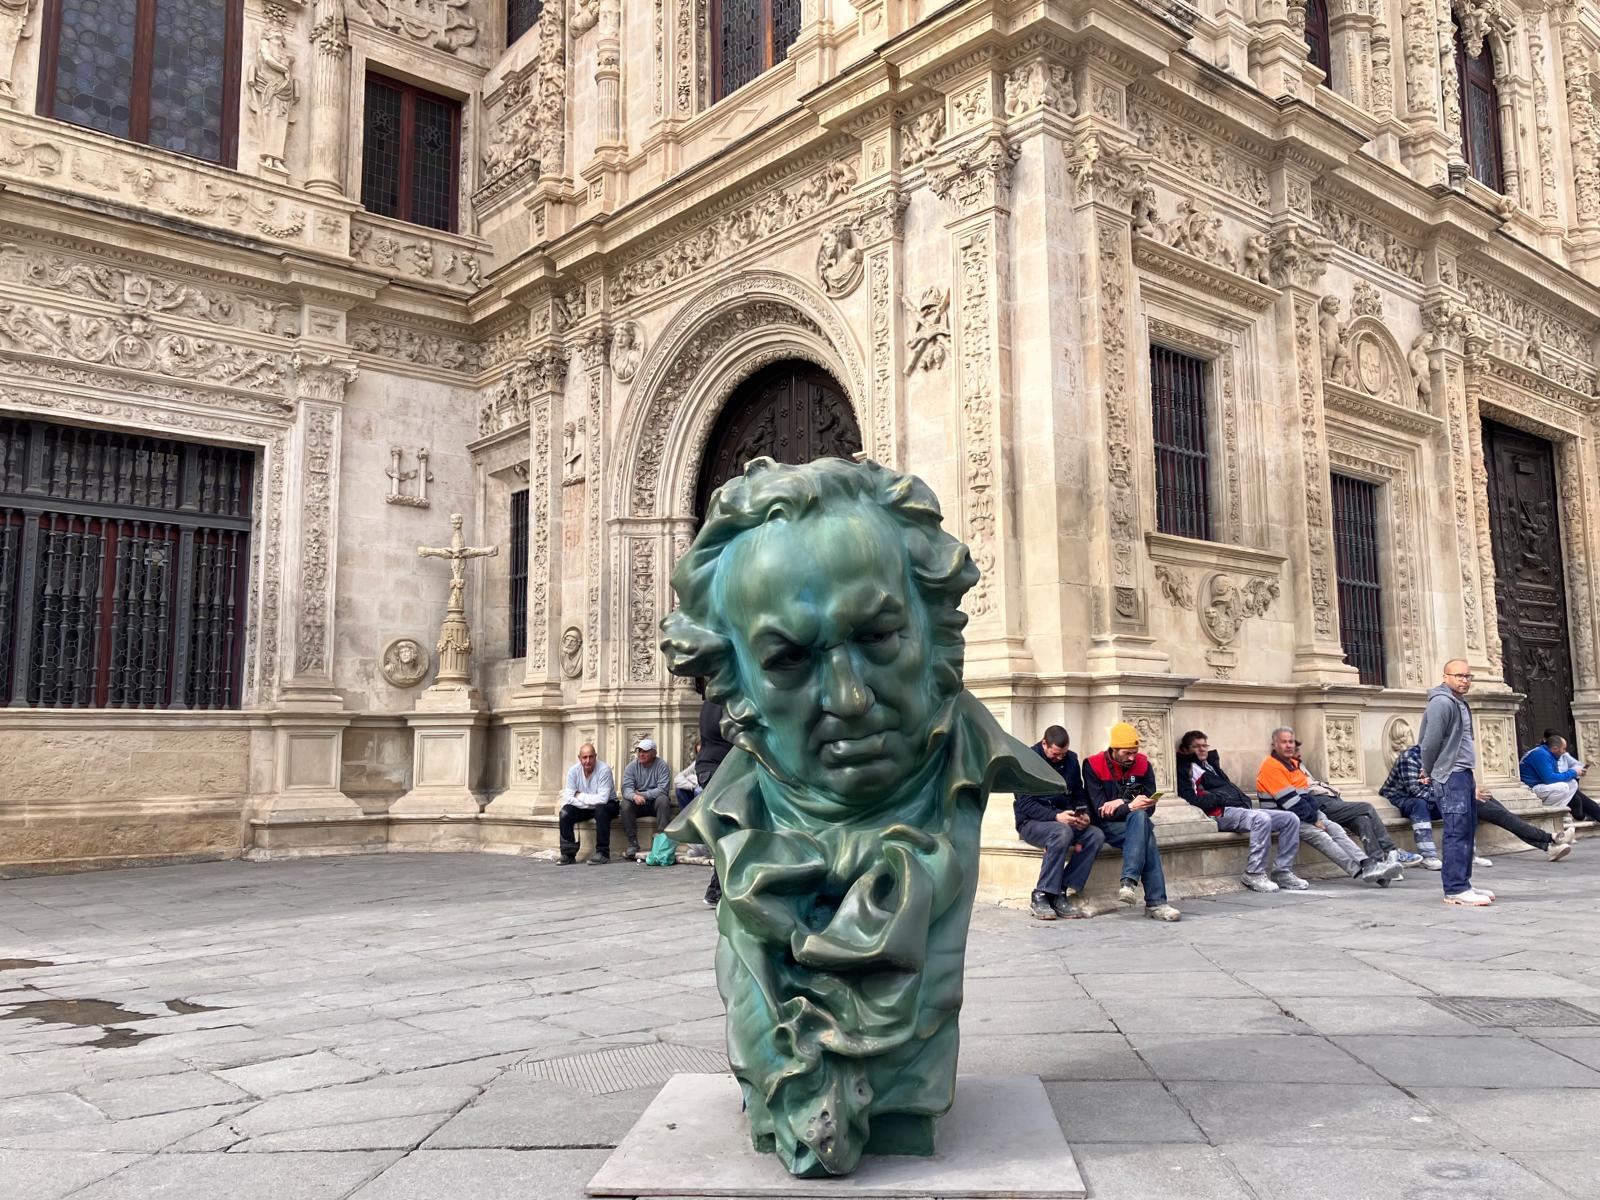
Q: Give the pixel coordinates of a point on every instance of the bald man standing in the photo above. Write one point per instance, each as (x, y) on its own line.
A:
(1449, 759)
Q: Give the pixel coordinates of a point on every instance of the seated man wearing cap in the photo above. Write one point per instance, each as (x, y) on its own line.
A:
(646, 788)
(1122, 786)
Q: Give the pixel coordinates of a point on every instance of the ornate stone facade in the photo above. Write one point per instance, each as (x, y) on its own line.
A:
(978, 226)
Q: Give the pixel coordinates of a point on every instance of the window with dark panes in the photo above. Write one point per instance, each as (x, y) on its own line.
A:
(124, 568)
(1178, 418)
(520, 17)
(1319, 46)
(747, 38)
(408, 155)
(1480, 113)
(519, 575)
(1356, 564)
(162, 72)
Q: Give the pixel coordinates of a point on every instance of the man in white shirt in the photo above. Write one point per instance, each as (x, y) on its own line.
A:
(589, 795)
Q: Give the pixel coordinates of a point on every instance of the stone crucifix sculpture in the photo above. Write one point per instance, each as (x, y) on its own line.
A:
(455, 642)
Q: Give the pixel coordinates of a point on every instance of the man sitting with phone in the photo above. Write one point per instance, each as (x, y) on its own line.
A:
(1059, 825)
(1204, 784)
(1122, 796)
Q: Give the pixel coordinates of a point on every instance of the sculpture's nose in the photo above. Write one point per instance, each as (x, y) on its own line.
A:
(844, 692)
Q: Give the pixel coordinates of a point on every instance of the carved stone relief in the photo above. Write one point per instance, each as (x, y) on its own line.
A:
(14, 16)
(572, 652)
(975, 250)
(527, 756)
(919, 139)
(1036, 85)
(273, 90)
(399, 477)
(1339, 740)
(641, 588)
(403, 343)
(527, 126)
(839, 261)
(1195, 155)
(1367, 238)
(1152, 726)
(928, 345)
(1221, 602)
(627, 351)
(1316, 471)
(736, 230)
(440, 24)
(1398, 737)
(405, 662)
(412, 257)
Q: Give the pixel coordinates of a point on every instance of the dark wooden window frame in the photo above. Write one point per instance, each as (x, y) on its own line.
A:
(1477, 75)
(521, 16)
(517, 608)
(144, 39)
(1358, 570)
(406, 163)
(1181, 445)
(1319, 39)
(769, 57)
(37, 501)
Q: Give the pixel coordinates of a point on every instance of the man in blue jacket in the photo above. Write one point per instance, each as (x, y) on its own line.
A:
(1059, 825)
(1553, 776)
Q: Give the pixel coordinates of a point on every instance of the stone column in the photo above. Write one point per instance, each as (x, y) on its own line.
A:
(330, 92)
(880, 236)
(1108, 176)
(975, 184)
(1297, 261)
(547, 377)
(1426, 146)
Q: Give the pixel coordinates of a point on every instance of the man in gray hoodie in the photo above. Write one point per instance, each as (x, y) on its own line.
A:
(1449, 756)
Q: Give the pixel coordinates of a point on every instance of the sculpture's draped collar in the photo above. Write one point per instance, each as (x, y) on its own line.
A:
(836, 931)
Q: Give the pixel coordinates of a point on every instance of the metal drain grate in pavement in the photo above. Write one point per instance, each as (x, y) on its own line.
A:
(627, 1067)
(1491, 1010)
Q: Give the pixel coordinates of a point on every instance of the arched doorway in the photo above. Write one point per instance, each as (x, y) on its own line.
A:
(792, 411)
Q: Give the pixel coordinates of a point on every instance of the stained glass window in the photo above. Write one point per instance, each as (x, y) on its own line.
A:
(749, 37)
(408, 157)
(163, 72)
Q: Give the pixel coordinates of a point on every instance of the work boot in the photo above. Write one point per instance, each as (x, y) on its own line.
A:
(599, 860)
(566, 860)
(1070, 907)
(1127, 891)
(1041, 907)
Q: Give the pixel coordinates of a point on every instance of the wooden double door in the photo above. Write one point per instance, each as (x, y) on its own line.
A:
(1530, 579)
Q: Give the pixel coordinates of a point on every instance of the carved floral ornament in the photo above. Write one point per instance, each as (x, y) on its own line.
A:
(1222, 603)
(1107, 170)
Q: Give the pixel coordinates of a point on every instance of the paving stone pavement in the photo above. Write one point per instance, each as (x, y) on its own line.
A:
(399, 1027)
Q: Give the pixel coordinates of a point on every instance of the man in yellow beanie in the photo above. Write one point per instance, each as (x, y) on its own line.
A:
(1122, 785)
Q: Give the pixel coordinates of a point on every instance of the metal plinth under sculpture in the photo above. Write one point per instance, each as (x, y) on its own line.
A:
(449, 722)
(820, 604)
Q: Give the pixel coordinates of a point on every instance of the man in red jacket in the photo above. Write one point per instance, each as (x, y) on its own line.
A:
(1122, 786)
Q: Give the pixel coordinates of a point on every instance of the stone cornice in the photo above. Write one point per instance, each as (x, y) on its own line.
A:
(1338, 398)
(1177, 265)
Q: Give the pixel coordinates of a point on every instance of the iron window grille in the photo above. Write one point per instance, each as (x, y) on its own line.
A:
(748, 38)
(124, 568)
(409, 154)
(519, 575)
(161, 72)
(1356, 565)
(521, 16)
(1178, 412)
(1480, 113)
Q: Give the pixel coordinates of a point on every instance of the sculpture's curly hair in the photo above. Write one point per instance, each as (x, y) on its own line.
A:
(695, 639)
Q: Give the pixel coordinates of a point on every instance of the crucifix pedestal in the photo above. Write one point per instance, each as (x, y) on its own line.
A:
(449, 723)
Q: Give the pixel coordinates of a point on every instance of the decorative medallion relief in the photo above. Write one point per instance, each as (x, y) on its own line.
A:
(572, 652)
(839, 261)
(1398, 737)
(439, 24)
(405, 662)
(1222, 603)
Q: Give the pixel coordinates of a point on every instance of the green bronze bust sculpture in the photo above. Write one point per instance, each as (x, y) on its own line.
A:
(820, 604)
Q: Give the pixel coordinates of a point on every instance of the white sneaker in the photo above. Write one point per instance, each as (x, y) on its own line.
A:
(1567, 835)
(1257, 883)
(1289, 881)
(1469, 899)
(1558, 851)
(1433, 864)
(1479, 860)
(1483, 891)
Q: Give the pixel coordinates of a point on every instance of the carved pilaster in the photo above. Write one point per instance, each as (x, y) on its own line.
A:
(1583, 129)
(330, 96)
(976, 188)
(546, 377)
(1110, 186)
(880, 235)
(320, 382)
